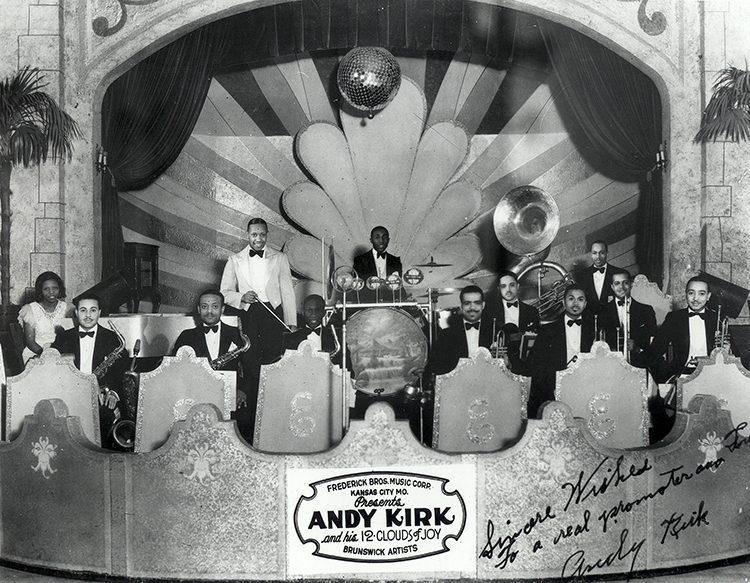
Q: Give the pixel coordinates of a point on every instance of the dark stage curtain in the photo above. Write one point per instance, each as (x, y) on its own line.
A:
(148, 115)
(619, 110)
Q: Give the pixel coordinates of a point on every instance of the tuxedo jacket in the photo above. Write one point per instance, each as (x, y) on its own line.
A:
(365, 266)
(549, 355)
(451, 345)
(68, 342)
(595, 304)
(676, 331)
(528, 317)
(642, 329)
(235, 282)
(196, 339)
(327, 343)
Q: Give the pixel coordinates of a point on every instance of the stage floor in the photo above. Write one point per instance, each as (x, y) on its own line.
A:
(739, 573)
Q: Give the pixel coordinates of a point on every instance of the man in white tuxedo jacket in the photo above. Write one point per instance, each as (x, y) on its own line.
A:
(261, 275)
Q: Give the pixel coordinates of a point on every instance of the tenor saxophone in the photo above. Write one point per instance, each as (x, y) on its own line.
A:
(105, 364)
(222, 359)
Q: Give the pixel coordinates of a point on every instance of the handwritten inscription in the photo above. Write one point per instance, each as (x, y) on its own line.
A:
(578, 564)
(676, 524)
(737, 440)
(501, 548)
(578, 521)
(597, 483)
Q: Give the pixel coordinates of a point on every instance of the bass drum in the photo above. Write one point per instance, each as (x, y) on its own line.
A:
(388, 350)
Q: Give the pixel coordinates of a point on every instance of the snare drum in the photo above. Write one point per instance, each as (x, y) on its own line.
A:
(387, 348)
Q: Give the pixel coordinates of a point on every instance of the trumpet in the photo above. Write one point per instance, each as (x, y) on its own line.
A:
(498, 348)
(218, 362)
(721, 336)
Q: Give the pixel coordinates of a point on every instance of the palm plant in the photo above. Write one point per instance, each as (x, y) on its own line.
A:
(727, 114)
(32, 128)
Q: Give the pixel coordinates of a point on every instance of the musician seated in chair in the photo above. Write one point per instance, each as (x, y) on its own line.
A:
(626, 321)
(513, 318)
(213, 338)
(99, 351)
(691, 333)
(321, 337)
(558, 345)
(463, 336)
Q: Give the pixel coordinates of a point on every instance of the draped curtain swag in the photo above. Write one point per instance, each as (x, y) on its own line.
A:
(619, 109)
(148, 115)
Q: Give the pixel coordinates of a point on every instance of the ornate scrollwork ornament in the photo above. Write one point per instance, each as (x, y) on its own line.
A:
(301, 424)
(477, 431)
(598, 419)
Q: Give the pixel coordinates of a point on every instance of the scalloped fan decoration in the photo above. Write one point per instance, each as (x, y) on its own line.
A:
(386, 171)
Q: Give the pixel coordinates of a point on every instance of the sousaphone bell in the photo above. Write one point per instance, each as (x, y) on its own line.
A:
(526, 221)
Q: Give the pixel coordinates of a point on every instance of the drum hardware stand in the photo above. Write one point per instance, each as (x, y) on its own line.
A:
(344, 400)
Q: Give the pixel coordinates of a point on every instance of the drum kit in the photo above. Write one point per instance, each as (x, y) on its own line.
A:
(389, 340)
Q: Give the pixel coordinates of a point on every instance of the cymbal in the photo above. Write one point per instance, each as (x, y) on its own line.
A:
(433, 264)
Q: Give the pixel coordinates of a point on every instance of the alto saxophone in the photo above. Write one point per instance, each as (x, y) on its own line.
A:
(221, 360)
(105, 365)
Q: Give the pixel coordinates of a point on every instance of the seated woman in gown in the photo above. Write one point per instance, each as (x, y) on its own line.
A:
(41, 318)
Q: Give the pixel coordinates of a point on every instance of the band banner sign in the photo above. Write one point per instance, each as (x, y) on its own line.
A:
(372, 521)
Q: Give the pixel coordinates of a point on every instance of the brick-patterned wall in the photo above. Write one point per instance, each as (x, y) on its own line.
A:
(32, 36)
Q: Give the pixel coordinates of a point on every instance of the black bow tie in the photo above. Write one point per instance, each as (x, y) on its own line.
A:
(214, 328)
(600, 269)
(620, 302)
(512, 304)
(314, 330)
(701, 315)
(84, 334)
(253, 253)
(381, 255)
(576, 322)
(470, 325)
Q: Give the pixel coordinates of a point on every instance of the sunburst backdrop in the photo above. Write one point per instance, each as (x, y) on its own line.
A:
(465, 129)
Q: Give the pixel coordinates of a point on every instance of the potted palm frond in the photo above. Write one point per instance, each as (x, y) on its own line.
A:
(32, 128)
(727, 115)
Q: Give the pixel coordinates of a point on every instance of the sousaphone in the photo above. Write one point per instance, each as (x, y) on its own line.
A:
(526, 221)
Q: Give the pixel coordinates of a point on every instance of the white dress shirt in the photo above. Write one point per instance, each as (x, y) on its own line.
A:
(259, 276)
(599, 281)
(314, 339)
(572, 338)
(472, 339)
(380, 264)
(623, 312)
(87, 350)
(212, 341)
(698, 341)
(511, 314)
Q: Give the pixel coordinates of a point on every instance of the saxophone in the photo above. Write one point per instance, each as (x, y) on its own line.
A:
(221, 360)
(105, 365)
